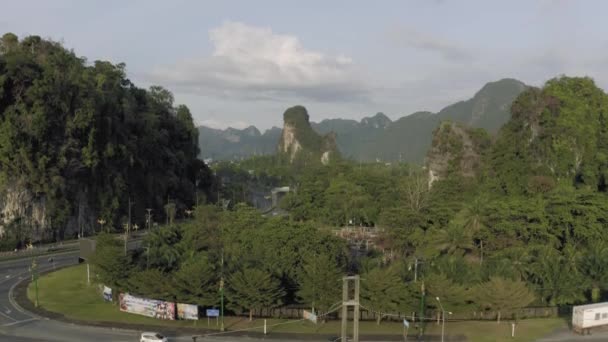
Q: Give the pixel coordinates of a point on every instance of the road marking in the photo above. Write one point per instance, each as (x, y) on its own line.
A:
(7, 310)
(7, 316)
(12, 300)
(19, 322)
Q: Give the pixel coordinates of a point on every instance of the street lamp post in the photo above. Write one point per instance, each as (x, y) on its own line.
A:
(101, 223)
(442, 318)
(149, 218)
(34, 270)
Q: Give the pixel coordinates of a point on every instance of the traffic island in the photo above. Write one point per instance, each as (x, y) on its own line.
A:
(65, 296)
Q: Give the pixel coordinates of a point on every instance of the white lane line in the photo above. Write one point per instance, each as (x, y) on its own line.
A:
(7, 316)
(14, 303)
(7, 310)
(19, 322)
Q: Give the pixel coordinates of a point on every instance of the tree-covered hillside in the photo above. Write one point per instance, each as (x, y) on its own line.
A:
(530, 206)
(509, 222)
(377, 137)
(78, 138)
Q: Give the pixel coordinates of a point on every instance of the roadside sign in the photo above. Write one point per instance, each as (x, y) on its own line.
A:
(406, 323)
(213, 313)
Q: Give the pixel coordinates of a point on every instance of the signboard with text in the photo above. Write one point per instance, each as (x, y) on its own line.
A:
(213, 313)
(147, 307)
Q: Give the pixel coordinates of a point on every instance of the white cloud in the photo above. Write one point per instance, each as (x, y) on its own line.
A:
(212, 123)
(255, 63)
(419, 40)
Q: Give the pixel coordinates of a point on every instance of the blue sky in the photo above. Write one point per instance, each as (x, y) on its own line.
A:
(236, 63)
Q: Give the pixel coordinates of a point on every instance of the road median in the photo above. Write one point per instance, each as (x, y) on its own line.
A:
(65, 296)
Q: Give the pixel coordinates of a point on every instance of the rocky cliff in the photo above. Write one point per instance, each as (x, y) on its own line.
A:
(300, 142)
(557, 133)
(456, 150)
(377, 137)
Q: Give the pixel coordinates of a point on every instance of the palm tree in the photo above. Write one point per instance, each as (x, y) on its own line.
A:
(557, 278)
(474, 222)
(594, 265)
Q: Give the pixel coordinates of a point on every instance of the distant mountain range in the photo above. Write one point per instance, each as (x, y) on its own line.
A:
(377, 137)
(232, 143)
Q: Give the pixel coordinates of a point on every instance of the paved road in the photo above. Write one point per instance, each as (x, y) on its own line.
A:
(18, 325)
(566, 335)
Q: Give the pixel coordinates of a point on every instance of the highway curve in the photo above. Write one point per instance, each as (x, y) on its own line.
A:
(19, 325)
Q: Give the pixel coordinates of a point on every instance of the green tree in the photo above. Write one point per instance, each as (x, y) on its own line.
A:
(319, 282)
(196, 281)
(164, 249)
(500, 294)
(254, 289)
(384, 292)
(451, 294)
(594, 266)
(111, 264)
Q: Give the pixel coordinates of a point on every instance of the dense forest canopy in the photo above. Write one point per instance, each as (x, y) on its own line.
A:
(513, 220)
(528, 224)
(77, 133)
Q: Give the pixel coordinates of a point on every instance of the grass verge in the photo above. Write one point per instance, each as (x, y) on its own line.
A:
(66, 292)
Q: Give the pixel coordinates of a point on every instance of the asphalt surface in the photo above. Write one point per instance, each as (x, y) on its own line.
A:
(19, 325)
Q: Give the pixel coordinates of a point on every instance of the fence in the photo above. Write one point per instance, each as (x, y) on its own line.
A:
(296, 312)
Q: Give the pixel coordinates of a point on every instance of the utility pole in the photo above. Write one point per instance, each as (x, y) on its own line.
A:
(129, 223)
(481, 260)
(422, 306)
(148, 256)
(354, 302)
(222, 282)
(126, 226)
(167, 210)
(415, 270)
(219, 183)
(222, 303)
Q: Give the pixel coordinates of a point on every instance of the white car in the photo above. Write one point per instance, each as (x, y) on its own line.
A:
(152, 337)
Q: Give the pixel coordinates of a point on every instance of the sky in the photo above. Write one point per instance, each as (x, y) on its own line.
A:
(240, 63)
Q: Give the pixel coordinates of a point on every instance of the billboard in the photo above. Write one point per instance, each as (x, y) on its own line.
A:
(147, 307)
(187, 311)
(107, 294)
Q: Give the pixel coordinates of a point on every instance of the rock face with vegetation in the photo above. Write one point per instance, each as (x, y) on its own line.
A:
(299, 142)
(514, 220)
(557, 134)
(78, 139)
(236, 144)
(456, 149)
(377, 137)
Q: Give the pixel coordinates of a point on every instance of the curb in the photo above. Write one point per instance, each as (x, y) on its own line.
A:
(18, 298)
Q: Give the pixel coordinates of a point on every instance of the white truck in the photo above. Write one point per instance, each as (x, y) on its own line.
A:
(585, 317)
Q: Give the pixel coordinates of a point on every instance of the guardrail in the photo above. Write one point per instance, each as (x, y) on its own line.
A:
(25, 253)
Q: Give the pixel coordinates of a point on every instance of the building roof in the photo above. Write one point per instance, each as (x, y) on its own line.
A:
(591, 306)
